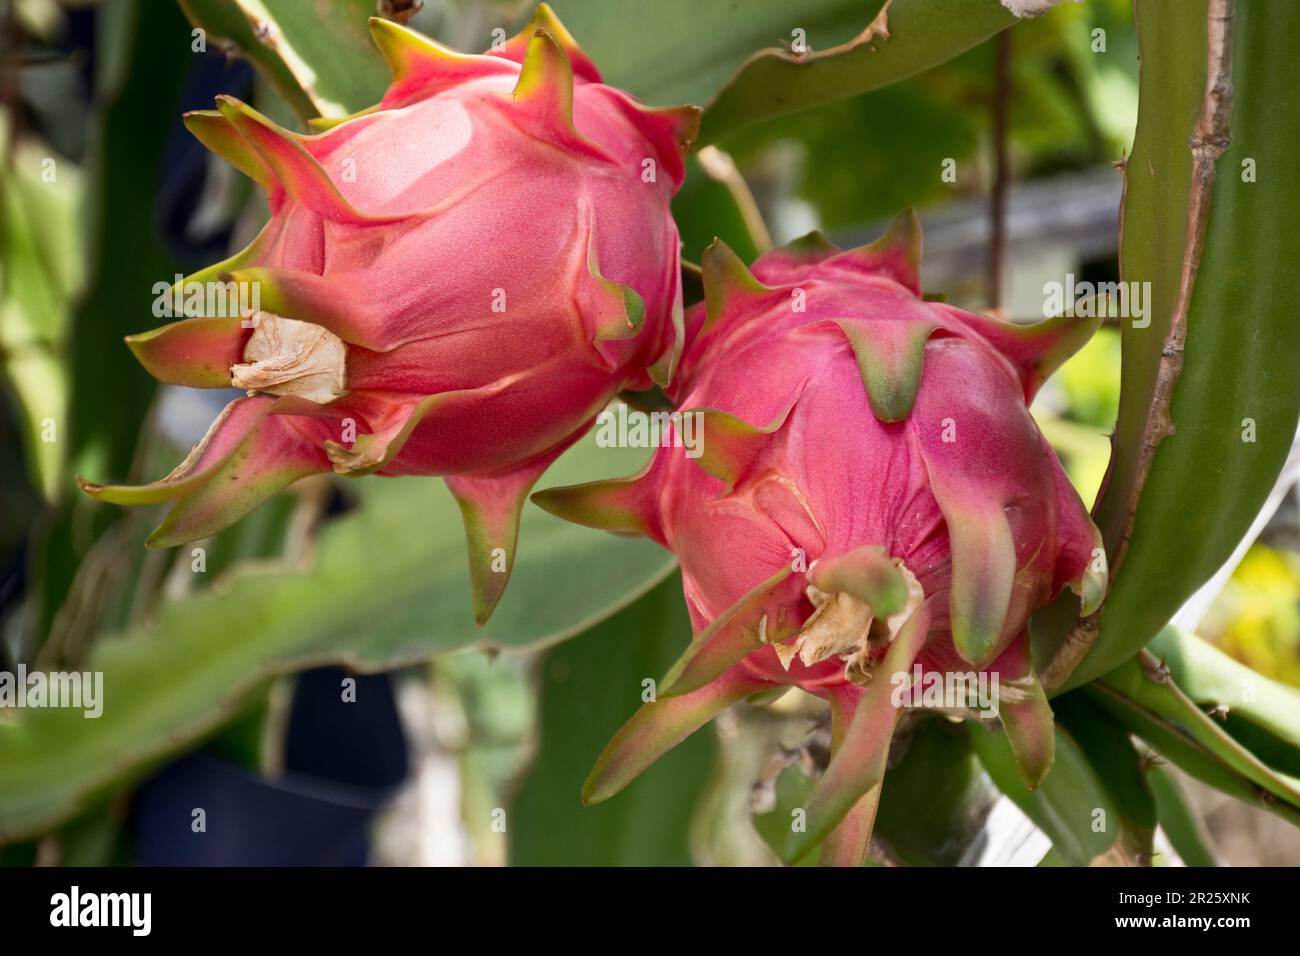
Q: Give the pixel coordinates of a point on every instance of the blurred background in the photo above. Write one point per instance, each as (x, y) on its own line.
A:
(476, 755)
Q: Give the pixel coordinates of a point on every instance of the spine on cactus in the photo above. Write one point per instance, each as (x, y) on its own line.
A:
(453, 282)
(873, 509)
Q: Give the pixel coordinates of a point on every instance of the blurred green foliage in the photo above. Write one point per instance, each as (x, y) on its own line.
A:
(384, 584)
(590, 685)
(865, 158)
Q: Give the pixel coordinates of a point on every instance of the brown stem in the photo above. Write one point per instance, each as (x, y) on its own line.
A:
(1001, 172)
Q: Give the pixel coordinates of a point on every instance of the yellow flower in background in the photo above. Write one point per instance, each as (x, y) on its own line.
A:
(1257, 617)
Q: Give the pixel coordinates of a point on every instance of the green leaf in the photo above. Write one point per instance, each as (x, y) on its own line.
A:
(389, 584)
(1180, 820)
(791, 791)
(735, 56)
(1188, 754)
(319, 56)
(1151, 704)
(1213, 679)
(935, 800)
(1071, 806)
(1122, 770)
(1239, 380)
(590, 686)
(907, 37)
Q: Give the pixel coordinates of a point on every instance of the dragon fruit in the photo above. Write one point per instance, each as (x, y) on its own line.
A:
(872, 504)
(453, 282)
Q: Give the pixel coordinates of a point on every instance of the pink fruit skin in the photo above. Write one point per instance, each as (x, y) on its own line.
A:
(494, 246)
(844, 415)
(833, 475)
(512, 213)
(857, 442)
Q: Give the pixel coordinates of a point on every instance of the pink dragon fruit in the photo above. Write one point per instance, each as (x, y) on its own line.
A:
(454, 282)
(871, 504)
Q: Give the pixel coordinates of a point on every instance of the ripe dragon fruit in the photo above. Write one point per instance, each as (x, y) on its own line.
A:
(871, 502)
(453, 282)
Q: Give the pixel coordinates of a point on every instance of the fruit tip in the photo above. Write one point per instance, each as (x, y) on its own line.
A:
(592, 793)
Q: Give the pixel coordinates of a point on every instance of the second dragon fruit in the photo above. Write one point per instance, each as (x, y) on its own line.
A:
(872, 497)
